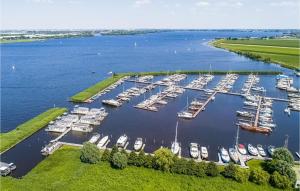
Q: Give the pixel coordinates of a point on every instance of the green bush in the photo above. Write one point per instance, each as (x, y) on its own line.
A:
(259, 177)
(283, 154)
(113, 151)
(283, 168)
(279, 181)
(191, 168)
(132, 159)
(230, 171)
(149, 161)
(179, 166)
(242, 175)
(90, 153)
(212, 169)
(140, 158)
(201, 169)
(119, 160)
(105, 155)
(163, 159)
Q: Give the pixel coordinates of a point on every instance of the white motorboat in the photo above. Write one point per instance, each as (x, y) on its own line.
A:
(94, 138)
(185, 115)
(233, 155)
(224, 155)
(194, 150)
(102, 142)
(121, 142)
(204, 152)
(138, 144)
(242, 149)
(112, 102)
(261, 150)
(252, 150)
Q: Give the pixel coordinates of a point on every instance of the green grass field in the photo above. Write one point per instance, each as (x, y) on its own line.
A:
(64, 171)
(26, 129)
(285, 52)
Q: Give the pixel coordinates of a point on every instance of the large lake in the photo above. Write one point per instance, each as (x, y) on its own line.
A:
(48, 72)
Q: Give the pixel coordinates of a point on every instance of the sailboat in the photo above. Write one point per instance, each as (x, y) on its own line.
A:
(185, 114)
(175, 145)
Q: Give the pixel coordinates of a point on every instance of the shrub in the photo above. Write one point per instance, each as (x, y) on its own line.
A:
(259, 177)
(212, 169)
(119, 160)
(149, 161)
(140, 158)
(229, 171)
(201, 169)
(191, 167)
(105, 155)
(280, 181)
(163, 159)
(282, 167)
(179, 166)
(90, 153)
(283, 154)
(113, 151)
(132, 159)
(241, 175)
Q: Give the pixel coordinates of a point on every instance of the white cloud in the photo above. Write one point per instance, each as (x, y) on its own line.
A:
(284, 3)
(41, 1)
(202, 3)
(139, 3)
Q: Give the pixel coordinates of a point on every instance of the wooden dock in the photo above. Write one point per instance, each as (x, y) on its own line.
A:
(63, 134)
(257, 112)
(205, 103)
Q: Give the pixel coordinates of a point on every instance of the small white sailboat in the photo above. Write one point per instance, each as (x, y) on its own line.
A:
(204, 152)
(94, 138)
(102, 141)
(252, 150)
(233, 155)
(224, 155)
(175, 147)
(138, 144)
(194, 150)
(121, 142)
(261, 150)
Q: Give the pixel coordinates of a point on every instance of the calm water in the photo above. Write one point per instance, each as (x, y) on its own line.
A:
(47, 73)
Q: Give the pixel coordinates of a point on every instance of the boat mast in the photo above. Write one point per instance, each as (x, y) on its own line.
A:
(237, 136)
(176, 132)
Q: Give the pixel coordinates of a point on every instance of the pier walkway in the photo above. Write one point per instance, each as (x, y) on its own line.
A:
(63, 134)
(257, 112)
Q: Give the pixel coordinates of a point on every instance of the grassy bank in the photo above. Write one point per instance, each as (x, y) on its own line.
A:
(285, 52)
(94, 89)
(64, 171)
(26, 129)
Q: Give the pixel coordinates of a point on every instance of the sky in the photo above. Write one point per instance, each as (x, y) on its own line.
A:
(138, 14)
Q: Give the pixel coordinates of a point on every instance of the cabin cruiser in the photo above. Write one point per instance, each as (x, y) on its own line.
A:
(252, 150)
(261, 150)
(122, 141)
(138, 144)
(271, 125)
(204, 152)
(185, 115)
(102, 142)
(194, 150)
(224, 155)
(245, 114)
(233, 155)
(271, 149)
(196, 103)
(242, 149)
(250, 103)
(112, 102)
(94, 138)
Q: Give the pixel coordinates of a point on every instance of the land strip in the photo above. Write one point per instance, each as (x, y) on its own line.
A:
(285, 52)
(23, 131)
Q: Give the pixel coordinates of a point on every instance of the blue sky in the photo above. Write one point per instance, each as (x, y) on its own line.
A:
(128, 14)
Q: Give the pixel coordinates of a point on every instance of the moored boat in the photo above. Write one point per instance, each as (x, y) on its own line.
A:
(194, 150)
(261, 150)
(271, 149)
(224, 155)
(204, 152)
(252, 150)
(121, 142)
(102, 141)
(138, 144)
(94, 138)
(242, 149)
(233, 155)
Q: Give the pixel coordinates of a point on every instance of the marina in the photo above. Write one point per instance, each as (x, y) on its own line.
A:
(213, 129)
